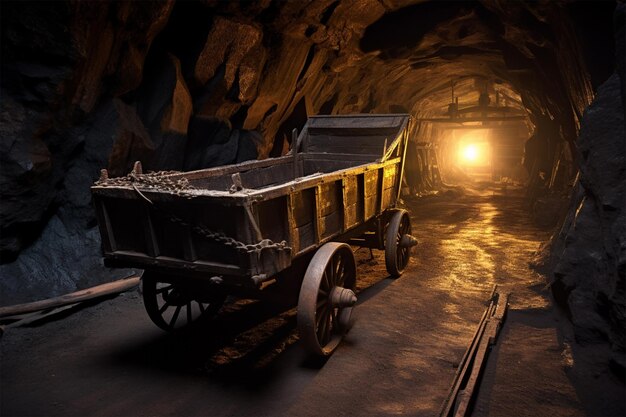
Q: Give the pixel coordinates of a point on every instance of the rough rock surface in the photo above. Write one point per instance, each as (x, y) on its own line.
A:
(67, 255)
(590, 274)
(589, 252)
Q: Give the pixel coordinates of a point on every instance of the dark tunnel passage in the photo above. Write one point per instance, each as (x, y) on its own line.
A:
(527, 94)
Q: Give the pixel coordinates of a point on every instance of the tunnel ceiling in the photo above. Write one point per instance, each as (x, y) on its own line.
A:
(371, 56)
(187, 85)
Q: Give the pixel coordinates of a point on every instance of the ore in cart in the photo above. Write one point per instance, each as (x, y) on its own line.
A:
(240, 229)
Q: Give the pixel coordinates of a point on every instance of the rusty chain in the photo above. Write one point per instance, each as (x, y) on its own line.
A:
(157, 181)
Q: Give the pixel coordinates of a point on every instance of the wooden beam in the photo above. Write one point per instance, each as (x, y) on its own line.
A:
(83, 295)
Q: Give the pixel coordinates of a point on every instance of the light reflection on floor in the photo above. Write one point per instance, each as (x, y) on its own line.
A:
(475, 243)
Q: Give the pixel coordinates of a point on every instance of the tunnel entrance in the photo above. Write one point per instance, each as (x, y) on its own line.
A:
(483, 153)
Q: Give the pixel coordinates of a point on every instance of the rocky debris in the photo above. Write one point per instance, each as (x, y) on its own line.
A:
(590, 253)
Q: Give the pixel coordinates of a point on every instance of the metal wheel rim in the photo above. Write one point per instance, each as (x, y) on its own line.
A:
(397, 257)
(171, 307)
(403, 253)
(321, 326)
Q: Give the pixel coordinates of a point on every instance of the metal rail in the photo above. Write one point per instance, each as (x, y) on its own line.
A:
(459, 399)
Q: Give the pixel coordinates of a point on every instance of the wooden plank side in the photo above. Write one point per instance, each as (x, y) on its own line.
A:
(303, 206)
(273, 219)
(189, 248)
(127, 220)
(329, 198)
(267, 176)
(358, 122)
(316, 215)
(350, 201)
(387, 198)
(360, 209)
(350, 190)
(351, 216)
(379, 188)
(305, 236)
(375, 150)
(313, 166)
(294, 241)
(354, 131)
(330, 140)
(104, 223)
(230, 169)
(390, 176)
(370, 193)
(330, 225)
(357, 159)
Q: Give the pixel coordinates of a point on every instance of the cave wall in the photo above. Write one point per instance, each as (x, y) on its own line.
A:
(589, 252)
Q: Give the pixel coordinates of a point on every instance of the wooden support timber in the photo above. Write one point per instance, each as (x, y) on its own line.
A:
(83, 295)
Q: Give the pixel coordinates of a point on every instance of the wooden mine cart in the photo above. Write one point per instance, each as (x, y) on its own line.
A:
(239, 229)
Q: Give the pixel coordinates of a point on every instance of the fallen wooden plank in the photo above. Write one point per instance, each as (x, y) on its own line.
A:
(83, 295)
(35, 317)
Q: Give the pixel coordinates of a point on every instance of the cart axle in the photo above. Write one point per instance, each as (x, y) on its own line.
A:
(342, 297)
(408, 241)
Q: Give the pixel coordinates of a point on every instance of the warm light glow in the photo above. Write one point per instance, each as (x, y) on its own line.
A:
(470, 153)
(474, 150)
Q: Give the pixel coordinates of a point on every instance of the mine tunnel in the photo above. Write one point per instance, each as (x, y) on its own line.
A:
(492, 134)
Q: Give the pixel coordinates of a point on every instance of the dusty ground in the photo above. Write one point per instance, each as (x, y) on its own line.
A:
(399, 359)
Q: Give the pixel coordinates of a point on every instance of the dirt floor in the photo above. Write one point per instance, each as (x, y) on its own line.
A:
(399, 359)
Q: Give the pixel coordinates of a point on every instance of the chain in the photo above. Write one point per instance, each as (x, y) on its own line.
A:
(158, 181)
(229, 241)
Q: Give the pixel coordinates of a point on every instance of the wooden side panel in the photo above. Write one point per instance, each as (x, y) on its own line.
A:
(264, 177)
(389, 181)
(127, 219)
(291, 221)
(231, 222)
(368, 145)
(189, 248)
(312, 166)
(273, 219)
(352, 201)
(330, 209)
(104, 223)
(353, 125)
(370, 193)
(304, 213)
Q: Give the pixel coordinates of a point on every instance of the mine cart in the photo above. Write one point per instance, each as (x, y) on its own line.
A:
(244, 228)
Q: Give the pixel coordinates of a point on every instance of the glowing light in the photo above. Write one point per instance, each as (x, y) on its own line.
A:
(474, 150)
(470, 153)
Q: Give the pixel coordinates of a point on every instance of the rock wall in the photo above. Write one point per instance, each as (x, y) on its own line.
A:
(589, 253)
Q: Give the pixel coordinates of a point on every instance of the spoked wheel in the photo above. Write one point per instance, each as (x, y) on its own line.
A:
(327, 298)
(398, 243)
(172, 306)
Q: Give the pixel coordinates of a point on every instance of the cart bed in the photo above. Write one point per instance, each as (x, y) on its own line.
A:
(250, 220)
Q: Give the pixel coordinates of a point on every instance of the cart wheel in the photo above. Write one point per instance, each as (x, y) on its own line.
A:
(327, 298)
(172, 306)
(397, 249)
